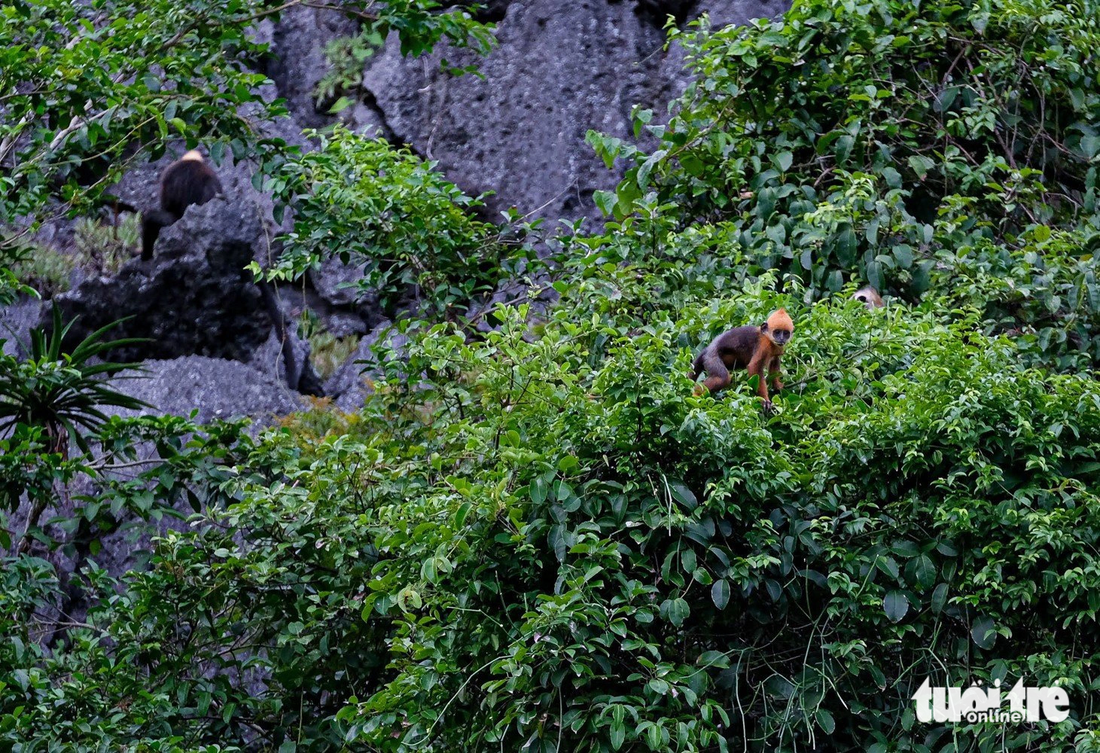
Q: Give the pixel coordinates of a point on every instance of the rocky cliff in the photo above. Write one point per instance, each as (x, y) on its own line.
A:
(517, 132)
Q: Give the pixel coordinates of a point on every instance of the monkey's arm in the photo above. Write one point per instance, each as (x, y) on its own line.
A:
(756, 367)
(775, 371)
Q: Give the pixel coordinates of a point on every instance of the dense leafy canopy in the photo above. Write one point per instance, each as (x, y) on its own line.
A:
(89, 88)
(912, 145)
(538, 538)
(362, 201)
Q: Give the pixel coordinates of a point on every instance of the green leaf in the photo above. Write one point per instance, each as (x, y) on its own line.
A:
(896, 605)
(720, 593)
(682, 494)
(921, 165)
(1090, 145)
(939, 598)
(540, 488)
(924, 571)
(983, 632)
(675, 611)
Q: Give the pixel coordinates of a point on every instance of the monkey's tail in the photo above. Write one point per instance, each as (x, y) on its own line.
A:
(151, 224)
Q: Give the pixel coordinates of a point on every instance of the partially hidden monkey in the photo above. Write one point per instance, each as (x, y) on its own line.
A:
(869, 297)
(752, 348)
(188, 180)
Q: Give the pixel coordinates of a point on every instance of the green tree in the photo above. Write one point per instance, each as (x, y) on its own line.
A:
(88, 89)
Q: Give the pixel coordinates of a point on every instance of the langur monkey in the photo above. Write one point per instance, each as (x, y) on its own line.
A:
(869, 297)
(188, 180)
(752, 348)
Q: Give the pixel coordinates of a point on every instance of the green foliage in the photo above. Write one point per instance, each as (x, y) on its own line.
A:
(364, 200)
(104, 699)
(101, 249)
(104, 248)
(82, 83)
(44, 269)
(62, 391)
(550, 543)
(539, 539)
(870, 141)
(328, 352)
(346, 57)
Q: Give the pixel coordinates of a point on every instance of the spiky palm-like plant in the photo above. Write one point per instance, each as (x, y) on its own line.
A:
(62, 392)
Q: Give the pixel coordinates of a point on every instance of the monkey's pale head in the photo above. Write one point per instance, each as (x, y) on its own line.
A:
(869, 297)
(778, 328)
(193, 155)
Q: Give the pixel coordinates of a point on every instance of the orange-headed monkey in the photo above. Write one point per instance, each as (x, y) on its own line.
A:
(752, 348)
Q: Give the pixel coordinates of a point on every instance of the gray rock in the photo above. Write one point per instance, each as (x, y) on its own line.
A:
(193, 297)
(336, 282)
(298, 42)
(539, 297)
(337, 298)
(739, 12)
(349, 386)
(216, 388)
(271, 360)
(16, 322)
(560, 70)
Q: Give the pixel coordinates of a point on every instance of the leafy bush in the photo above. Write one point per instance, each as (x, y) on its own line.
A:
(538, 538)
(103, 681)
(82, 84)
(869, 141)
(62, 391)
(346, 57)
(552, 543)
(363, 199)
(105, 248)
(44, 269)
(328, 352)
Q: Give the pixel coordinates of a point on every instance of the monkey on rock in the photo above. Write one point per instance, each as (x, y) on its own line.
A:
(188, 180)
(752, 348)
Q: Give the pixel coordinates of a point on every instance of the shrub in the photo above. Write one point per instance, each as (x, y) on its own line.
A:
(105, 248)
(870, 141)
(363, 199)
(44, 269)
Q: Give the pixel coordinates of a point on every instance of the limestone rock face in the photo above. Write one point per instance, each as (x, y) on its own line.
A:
(215, 387)
(560, 69)
(516, 132)
(192, 298)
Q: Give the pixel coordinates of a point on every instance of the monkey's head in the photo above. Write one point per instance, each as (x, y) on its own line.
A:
(193, 155)
(869, 297)
(778, 328)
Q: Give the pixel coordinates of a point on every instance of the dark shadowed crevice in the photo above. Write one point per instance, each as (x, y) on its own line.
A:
(656, 12)
(370, 102)
(492, 11)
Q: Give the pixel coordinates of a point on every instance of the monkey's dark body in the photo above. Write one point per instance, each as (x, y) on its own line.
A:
(754, 349)
(731, 348)
(184, 182)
